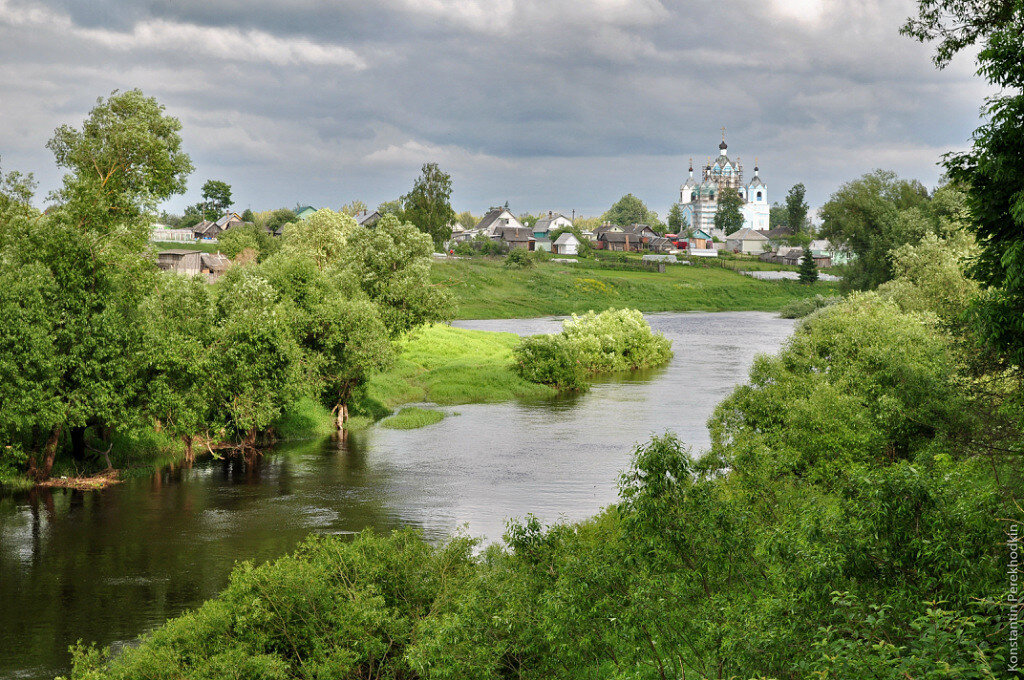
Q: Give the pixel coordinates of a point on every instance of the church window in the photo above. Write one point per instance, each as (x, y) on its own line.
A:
(693, 197)
(759, 195)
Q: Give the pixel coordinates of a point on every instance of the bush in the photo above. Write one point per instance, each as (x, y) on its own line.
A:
(550, 360)
(412, 418)
(798, 309)
(518, 258)
(615, 340)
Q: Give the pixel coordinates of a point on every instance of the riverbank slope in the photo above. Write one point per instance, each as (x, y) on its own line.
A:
(485, 289)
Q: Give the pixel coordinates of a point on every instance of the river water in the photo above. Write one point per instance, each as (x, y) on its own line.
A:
(108, 565)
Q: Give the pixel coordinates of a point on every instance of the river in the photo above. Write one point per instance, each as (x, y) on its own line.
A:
(108, 565)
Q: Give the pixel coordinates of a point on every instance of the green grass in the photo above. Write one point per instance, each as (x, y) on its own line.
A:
(188, 245)
(446, 365)
(305, 419)
(484, 289)
(412, 418)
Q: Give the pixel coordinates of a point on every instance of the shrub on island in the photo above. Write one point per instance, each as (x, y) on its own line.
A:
(609, 342)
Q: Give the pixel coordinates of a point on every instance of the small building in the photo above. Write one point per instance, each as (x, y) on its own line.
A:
(823, 248)
(746, 240)
(516, 237)
(566, 244)
(367, 218)
(496, 219)
(304, 212)
(542, 244)
(180, 261)
(549, 223)
(700, 240)
(205, 229)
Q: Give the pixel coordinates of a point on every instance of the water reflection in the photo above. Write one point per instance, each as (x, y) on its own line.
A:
(108, 565)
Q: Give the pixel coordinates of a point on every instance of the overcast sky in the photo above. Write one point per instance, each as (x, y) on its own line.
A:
(548, 104)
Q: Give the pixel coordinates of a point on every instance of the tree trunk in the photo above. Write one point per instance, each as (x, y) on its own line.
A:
(190, 456)
(49, 453)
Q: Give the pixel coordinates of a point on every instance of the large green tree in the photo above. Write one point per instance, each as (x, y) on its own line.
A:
(993, 170)
(428, 205)
(91, 249)
(631, 210)
(216, 196)
(675, 218)
(728, 217)
(870, 216)
(796, 208)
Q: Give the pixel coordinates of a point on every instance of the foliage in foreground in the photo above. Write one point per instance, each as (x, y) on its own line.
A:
(840, 527)
(609, 342)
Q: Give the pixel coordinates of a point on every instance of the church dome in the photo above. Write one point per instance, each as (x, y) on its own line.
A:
(723, 146)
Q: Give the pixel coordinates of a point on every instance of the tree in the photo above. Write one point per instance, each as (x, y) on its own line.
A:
(391, 265)
(778, 216)
(993, 170)
(354, 208)
(808, 270)
(728, 217)
(631, 210)
(393, 207)
(428, 205)
(796, 209)
(247, 236)
(216, 196)
(321, 237)
(248, 215)
(467, 220)
(675, 218)
(870, 216)
(272, 220)
(92, 248)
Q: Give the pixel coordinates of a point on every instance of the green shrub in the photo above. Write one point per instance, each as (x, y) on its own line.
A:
(412, 418)
(550, 360)
(798, 309)
(518, 258)
(612, 341)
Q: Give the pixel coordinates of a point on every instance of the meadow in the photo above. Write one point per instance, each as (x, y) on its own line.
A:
(445, 365)
(485, 289)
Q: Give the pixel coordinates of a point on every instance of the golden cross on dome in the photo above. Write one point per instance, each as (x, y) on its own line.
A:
(723, 133)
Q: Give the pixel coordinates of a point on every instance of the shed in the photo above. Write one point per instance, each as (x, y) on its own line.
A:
(566, 244)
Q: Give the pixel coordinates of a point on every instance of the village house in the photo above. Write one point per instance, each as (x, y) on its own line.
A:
(823, 248)
(192, 262)
(746, 240)
(566, 244)
(634, 238)
(549, 223)
(793, 255)
(515, 237)
(496, 219)
(211, 230)
(366, 218)
(304, 212)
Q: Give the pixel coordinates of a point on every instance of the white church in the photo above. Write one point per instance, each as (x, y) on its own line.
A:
(700, 200)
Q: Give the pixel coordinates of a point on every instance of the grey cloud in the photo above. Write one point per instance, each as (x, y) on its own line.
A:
(549, 104)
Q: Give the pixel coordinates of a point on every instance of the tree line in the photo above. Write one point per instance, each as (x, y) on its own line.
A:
(99, 346)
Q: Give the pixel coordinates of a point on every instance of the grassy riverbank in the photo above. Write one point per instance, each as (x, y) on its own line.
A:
(446, 365)
(486, 289)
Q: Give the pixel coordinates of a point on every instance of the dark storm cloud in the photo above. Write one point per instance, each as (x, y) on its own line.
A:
(550, 104)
